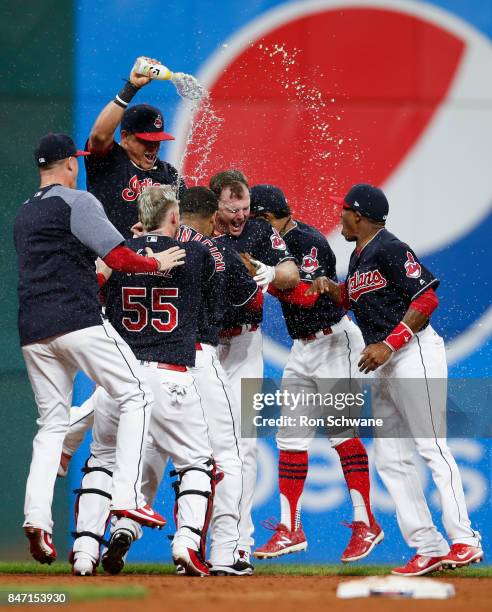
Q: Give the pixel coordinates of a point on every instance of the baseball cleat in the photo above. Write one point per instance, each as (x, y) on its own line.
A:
(40, 544)
(419, 566)
(461, 555)
(83, 566)
(282, 542)
(190, 560)
(144, 516)
(113, 560)
(240, 568)
(363, 540)
(180, 570)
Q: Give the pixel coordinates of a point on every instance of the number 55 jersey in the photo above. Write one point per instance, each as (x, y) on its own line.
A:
(157, 313)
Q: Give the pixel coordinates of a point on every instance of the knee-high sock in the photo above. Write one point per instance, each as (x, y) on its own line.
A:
(292, 472)
(355, 466)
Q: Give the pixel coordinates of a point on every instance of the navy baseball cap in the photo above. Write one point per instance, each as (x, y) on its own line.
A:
(367, 200)
(55, 147)
(268, 199)
(145, 122)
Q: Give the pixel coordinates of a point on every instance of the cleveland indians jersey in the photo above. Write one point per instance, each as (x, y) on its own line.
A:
(117, 182)
(382, 281)
(157, 313)
(263, 243)
(231, 287)
(314, 258)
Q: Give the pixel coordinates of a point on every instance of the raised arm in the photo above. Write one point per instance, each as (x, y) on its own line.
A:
(104, 128)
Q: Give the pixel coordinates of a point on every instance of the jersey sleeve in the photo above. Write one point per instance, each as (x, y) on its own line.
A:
(317, 260)
(240, 286)
(89, 223)
(270, 248)
(404, 270)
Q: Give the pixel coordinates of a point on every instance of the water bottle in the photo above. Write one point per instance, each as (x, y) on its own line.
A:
(154, 71)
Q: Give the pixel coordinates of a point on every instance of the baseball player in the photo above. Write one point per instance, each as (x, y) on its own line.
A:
(58, 233)
(158, 316)
(392, 295)
(240, 345)
(118, 172)
(236, 289)
(326, 345)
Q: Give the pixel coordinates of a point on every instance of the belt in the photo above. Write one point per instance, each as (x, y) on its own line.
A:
(237, 331)
(166, 366)
(319, 334)
(172, 366)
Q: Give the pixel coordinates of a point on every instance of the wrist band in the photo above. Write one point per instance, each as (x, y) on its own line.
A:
(400, 336)
(126, 95)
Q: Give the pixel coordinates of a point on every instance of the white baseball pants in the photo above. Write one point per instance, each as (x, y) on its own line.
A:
(52, 363)
(418, 406)
(313, 367)
(223, 417)
(242, 357)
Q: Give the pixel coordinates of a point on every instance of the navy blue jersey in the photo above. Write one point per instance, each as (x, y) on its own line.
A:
(264, 243)
(212, 307)
(231, 287)
(157, 312)
(382, 281)
(57, 244)
(314, 258)
(117, 182)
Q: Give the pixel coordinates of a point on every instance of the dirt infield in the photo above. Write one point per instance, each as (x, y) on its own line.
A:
(254, 594)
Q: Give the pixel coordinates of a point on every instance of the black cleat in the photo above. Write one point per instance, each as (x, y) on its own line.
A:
(113, 560)
(240, 568)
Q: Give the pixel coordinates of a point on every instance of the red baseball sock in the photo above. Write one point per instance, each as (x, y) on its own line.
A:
(355, 466)
(292, 472)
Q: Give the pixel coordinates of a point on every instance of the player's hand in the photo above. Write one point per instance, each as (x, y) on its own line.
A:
(246, 259)
(374, 356)
(264, 274)
(324, 285)
(139, 80)
(63, 467)
(137, 230)
(102, 268)
(168, 259)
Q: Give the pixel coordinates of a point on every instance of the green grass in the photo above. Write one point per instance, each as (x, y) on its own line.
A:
(77, 593)
(262, 568)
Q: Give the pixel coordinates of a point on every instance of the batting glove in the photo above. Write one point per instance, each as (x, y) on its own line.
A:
(264, 274)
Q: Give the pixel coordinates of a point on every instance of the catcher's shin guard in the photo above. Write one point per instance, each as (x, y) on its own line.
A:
(91, 510)
(194, 489)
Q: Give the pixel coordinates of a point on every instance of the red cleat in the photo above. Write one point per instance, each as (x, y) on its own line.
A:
(461, 555)
(363, 540)
(40, 544)
(144, 515)
(189, 561)
(419, 566)
(282, 542)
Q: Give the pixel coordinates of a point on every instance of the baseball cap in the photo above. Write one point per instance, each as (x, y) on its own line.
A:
(145, 122)
(367, 200)
(267, 198)
(55, 147)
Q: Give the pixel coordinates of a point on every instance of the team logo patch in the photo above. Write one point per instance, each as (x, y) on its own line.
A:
(158, 122)
(310, 262)
(135, 188)
(365, 282)
(277, 241)
(413, 268)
